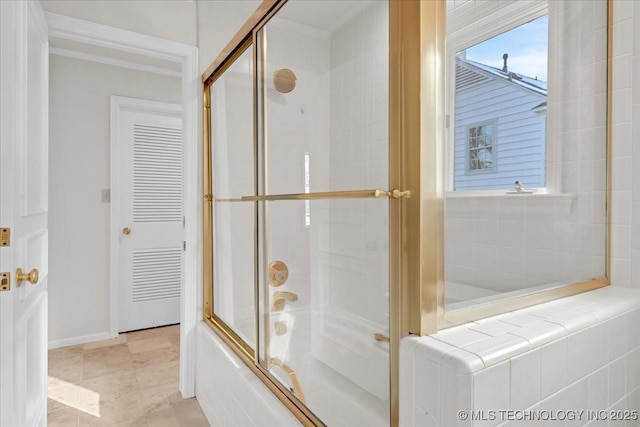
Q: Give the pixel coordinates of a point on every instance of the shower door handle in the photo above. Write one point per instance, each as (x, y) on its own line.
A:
(355, 194)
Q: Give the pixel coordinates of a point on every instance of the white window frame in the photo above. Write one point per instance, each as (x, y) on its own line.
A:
(496, 22)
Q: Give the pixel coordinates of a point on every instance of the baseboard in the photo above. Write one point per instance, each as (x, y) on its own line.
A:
(66, 342)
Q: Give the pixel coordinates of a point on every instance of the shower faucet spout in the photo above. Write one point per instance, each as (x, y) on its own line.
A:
(279, 298)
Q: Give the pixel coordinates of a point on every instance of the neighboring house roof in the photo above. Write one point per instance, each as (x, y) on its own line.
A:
(470, 73)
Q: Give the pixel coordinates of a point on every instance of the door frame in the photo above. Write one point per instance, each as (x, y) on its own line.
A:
(78, 30)
(119, 104)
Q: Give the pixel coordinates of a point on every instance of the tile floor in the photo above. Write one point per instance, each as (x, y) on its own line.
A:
(131, 380)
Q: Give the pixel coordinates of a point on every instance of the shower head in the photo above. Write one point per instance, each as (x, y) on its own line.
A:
(284, 80)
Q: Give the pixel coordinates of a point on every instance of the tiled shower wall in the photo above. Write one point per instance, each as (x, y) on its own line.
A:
(625, 229)
(511, 242)
(350, 238)
(575, 357)
(356, 251)
(576, 354)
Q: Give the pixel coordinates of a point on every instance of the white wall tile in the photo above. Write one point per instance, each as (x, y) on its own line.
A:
(462, 361)
(580, 360)
(617, 380)
(576, 397)
(622, 67)
(432, 349)
(598, 338)
(525, 380)
(407, 380)
(620, 241)
(491, 390)
(621, 207)
(492, 327)
(623, 10)
(633, 370)
(459, 336)
(598, 389)
(574, 320)
(573, 371)
(456, 391)
(617, 336)
(424, 419)
(623, 35)
(632, 404)
(554, 404)
(620, 271)
(498, 348)
(633, 337)
(427, 396)
(553, 367)
(518, 318)
(540, 333)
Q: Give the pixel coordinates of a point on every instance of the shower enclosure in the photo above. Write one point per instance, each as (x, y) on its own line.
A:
(324, 214)
(297, 211)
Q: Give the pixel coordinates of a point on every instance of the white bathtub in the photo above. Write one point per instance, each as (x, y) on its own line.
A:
(343, 371)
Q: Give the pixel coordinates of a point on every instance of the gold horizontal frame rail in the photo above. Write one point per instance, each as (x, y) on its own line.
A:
(356, 194)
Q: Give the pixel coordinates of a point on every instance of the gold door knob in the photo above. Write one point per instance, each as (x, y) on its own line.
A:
(31, 277)
(126, 231)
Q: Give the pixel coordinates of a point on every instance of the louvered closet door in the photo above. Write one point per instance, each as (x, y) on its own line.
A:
(151, 218)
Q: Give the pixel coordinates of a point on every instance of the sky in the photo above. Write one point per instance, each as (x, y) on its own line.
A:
(526, 46)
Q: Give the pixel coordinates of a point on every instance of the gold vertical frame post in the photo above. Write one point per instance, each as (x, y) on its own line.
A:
(207, 247)
(417, 160)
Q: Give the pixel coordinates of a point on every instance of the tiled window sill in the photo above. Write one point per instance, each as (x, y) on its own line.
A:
(544, 203)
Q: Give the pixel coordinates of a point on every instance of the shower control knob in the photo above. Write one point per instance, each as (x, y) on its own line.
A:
(278, 273)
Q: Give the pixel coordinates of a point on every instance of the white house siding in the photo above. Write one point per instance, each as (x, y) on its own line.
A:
(519, 148)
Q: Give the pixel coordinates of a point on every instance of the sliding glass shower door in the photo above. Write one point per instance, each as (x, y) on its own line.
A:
(323, 150)
(298, 123)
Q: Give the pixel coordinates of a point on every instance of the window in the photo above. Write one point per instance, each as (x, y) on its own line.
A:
(500, 109)
(480, 148)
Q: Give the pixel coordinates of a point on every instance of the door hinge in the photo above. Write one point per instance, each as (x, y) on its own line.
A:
(5, 281)
(184, 245)
(5, 237)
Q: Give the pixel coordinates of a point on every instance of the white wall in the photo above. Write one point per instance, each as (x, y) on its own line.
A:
(218, 21)
(79, 169)
(171, 20)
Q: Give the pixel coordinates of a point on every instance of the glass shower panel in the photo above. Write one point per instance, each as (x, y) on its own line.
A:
(323, 114)
(325, 89)
(232, 175)
(327, 322)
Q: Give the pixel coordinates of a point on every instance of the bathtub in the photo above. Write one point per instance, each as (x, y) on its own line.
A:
(342, 370)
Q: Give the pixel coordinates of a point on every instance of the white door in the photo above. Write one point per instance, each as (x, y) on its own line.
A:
(147, 225)
(24, 107)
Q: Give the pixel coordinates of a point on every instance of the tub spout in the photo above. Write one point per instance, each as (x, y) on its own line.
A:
(279, 298)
